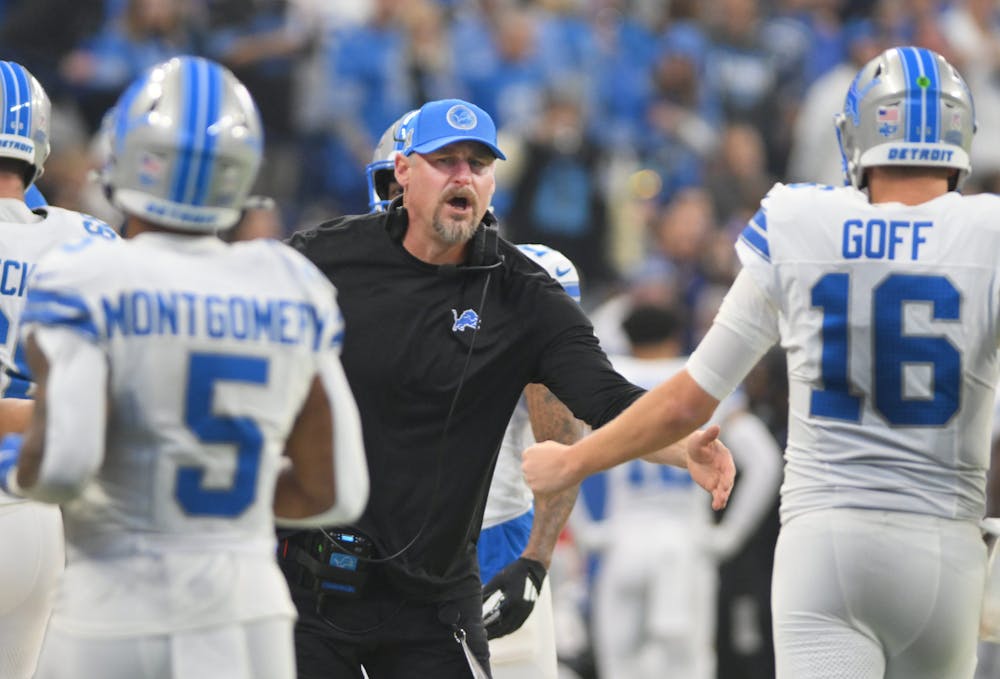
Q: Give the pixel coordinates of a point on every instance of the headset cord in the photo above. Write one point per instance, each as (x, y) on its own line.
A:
(439, 466)
(437, 478)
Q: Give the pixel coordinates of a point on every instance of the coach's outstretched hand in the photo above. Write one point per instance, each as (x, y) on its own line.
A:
(550, 467)
(711, 464)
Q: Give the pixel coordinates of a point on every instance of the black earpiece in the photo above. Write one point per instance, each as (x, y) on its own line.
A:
(484, 253)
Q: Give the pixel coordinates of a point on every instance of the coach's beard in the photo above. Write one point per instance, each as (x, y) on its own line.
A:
(456, 230)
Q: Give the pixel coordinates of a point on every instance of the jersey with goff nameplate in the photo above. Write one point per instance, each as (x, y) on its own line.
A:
(212, 349)
(889, 316)
(22, 244)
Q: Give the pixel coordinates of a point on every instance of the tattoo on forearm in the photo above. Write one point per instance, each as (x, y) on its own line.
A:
(550, 421)
(551, 514)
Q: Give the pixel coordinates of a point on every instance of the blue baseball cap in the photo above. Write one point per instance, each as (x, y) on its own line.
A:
(446, 121)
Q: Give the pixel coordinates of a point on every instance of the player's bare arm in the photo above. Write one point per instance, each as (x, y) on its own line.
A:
(34, 438)
(550, 420)
(64, 443)
(327, 482)
(307, 487)
(15, 415)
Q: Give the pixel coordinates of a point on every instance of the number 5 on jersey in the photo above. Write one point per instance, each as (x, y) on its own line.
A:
(242, 432)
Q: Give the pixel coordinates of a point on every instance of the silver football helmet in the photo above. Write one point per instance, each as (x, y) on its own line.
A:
(380, 172)
(907, 106)
(25, 111)
(185, 146)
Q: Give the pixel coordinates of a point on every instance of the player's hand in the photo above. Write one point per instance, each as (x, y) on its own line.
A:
(711, 465)
(10, 452)
(510, 596)
(546, 468)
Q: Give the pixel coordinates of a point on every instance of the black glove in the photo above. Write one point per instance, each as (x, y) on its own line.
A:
(510, 596)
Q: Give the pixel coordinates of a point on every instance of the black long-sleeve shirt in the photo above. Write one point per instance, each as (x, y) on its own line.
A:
(409, 326)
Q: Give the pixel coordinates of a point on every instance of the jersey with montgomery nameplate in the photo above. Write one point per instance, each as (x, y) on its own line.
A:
(212, 349)
(889, 315)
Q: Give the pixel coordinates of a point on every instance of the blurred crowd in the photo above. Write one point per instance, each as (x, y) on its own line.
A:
(641, 134)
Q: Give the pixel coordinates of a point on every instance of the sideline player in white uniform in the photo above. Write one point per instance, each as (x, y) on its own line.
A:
(516, 542)
(174, 372)
(517, 530)
(887, 303)
(989, 644)
(654, 599)
(31, 540)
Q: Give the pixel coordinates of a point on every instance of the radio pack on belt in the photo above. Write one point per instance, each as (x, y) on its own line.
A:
(327, 562)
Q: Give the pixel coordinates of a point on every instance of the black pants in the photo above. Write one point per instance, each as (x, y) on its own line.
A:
(392, 638)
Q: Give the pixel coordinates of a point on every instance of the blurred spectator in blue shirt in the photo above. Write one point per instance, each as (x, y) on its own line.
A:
(683, 116)
(29, 36)
(262, 43)
(558, 198)
(620, 84)
(815, 155)
(365, 89)
(744, 74)
(145, 33)
(429, 66)
(512, 92)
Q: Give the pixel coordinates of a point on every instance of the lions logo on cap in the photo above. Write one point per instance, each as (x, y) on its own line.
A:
(461, 117)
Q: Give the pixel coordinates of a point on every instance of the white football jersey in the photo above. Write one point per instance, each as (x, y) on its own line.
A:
(509, 496)
(24, 237)
(889, 316)
(212, 348)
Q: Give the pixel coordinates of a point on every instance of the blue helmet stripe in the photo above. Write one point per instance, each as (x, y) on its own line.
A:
(23, 124)
(914, 94)
(188, 121)
(932, 94)
(9, 102)
(207, 157)
(197, 131)
(199, 88)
